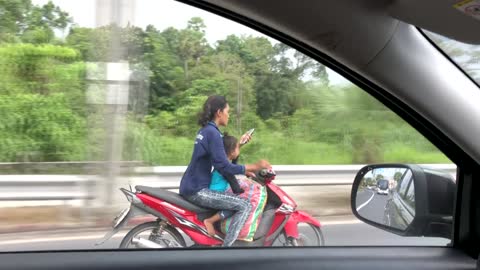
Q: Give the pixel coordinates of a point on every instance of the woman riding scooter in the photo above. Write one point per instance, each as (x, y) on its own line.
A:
(209, 151)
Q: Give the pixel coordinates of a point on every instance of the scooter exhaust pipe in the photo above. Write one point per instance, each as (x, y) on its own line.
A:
(144, 243)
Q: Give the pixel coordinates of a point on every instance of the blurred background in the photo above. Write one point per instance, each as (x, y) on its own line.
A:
(101, 94)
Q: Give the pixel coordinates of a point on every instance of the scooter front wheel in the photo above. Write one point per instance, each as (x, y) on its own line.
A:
(308, 235)
(155, 234)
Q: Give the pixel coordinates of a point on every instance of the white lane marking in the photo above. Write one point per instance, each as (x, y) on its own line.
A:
(363, 205)
(55, 239)
(333, 222)
(341, 222)
(100, 236)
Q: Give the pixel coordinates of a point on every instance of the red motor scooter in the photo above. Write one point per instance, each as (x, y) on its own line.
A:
(280, 220)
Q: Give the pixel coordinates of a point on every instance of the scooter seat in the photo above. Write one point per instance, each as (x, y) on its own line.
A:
(173, 198)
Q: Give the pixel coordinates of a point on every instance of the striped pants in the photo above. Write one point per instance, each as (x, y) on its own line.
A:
(225, 201)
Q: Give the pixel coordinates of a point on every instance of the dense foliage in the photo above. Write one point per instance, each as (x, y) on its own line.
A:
(299, 116)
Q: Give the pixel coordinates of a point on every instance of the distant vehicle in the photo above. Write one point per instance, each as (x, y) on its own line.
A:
(382, 187)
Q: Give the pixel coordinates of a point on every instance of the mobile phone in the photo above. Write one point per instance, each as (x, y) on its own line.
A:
(249, 132)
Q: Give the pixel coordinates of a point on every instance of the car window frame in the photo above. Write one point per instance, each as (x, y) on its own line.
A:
(361, 87)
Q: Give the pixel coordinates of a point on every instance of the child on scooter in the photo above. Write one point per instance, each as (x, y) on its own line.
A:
(221, 182)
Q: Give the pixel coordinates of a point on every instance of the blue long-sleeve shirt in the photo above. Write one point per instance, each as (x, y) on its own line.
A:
(208, 151)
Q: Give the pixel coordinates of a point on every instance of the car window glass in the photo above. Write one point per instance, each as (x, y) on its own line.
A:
(96, 96)
(409, 197)
(404, 182)
(465, 55)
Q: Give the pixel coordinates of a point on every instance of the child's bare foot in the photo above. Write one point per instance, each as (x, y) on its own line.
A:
(209, 223)
(210, 228)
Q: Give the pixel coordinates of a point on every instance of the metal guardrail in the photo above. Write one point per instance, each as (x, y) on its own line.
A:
(89, 167)
(287, 175)
(44, 187)
(78, 187)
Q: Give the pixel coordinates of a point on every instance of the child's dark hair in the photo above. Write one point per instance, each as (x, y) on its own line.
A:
(210, 107)
(229, 143)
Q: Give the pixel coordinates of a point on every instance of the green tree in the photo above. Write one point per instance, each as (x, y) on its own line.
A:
(82, 39)
(31, 23)
(134, 41)
(40, 128)
(397, 176)
(41, 69)
(166, 73)
(43, 103)
(13, 22)
(191, 44)
(41, 22)
(237, 83)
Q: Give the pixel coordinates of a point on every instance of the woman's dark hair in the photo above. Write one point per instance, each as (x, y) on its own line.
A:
(229, 143)
(210, 107)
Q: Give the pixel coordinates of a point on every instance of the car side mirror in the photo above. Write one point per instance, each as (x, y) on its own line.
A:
(407, 200)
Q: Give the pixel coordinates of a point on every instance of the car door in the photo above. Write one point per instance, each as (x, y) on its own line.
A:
(357, 244)
(400, 212)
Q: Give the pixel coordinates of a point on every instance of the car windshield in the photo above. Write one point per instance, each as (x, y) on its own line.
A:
(383, 184)
(467, 56)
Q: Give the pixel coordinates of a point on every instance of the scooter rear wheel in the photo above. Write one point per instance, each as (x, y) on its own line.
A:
(162, 234)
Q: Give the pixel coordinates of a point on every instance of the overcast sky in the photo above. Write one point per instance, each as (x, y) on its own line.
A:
(163, 14)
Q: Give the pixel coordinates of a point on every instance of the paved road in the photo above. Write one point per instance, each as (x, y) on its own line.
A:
(349, 233)
(371, 205)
